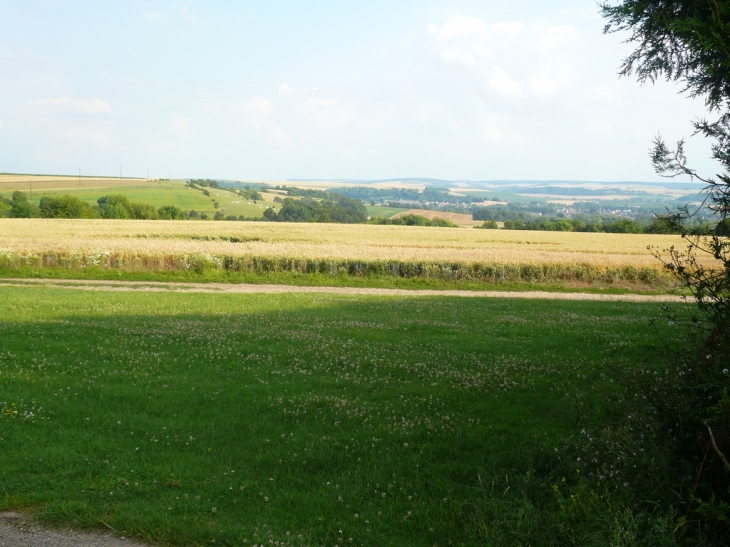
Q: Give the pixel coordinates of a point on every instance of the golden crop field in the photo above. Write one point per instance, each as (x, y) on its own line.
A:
(331, 241)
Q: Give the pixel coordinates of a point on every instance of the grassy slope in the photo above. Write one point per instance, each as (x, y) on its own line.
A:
(163, 193)
(382, 211)
(156, 194)
(311, 419)
(232, 204)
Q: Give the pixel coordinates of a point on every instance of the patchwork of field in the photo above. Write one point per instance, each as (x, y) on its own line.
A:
(331, 241)
(25, 183)
(301, 419)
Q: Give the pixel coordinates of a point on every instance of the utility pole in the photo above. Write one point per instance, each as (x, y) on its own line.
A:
(79, 176)
(30, 185)
(148, 174)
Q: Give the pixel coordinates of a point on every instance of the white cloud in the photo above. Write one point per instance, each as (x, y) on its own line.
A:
(323, 111)
(327, 111)
(155, 17)
(551, 78)
(428, 111)
(492, 131)
(454, 56)
(468, 39)
(500, 82)
(256, 115)
(180, 125)
(86, 106)
(552, 38)
(286, 90)
(461, 26)
(258, 106)
(608, 94)
(489, 46)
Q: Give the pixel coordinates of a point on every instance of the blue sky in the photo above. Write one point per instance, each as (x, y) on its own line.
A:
(327, 89)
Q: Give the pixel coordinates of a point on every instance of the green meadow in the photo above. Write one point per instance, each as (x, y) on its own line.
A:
(155, 194)
(233, 204)
(160, 194)
(383, 211)
(303, 419)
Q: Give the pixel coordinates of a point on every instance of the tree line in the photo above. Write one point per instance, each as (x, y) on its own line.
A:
(340, 210)
(109, 207)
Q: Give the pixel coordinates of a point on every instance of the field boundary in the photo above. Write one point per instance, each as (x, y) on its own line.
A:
(250, 288)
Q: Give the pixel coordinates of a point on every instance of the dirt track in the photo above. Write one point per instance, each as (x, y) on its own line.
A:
(18, 530)
(224, 288)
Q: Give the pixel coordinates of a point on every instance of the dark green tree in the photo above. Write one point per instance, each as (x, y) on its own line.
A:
(170, 212)
(66, 206)
(20, 207)
(688, 41)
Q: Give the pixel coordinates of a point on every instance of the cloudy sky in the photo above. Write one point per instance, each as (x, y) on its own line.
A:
(274, 89)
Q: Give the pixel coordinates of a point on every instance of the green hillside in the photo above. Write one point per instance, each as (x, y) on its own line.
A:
(159, 194)
(382, 211)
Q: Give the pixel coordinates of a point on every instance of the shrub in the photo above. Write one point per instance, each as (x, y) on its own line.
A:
(66, 206)
(489, 225)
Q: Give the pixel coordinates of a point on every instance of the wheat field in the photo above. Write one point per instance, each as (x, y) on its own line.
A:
(330, 241)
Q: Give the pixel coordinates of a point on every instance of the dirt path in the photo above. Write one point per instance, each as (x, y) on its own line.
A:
(155, 286)
(18, 530)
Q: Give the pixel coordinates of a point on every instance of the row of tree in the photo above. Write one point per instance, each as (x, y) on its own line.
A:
(659, 225)
(413, 220)
(340, 210)
(67, 206)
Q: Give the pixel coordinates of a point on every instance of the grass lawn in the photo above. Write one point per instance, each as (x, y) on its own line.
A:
(294, 418)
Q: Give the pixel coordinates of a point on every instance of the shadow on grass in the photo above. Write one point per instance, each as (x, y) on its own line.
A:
(189, 418)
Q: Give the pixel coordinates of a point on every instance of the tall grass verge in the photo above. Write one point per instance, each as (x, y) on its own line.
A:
(199, 264)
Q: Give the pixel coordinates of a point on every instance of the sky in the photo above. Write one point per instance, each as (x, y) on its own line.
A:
(328, 89)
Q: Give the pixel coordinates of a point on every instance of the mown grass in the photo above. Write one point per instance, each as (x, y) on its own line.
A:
(299, 419)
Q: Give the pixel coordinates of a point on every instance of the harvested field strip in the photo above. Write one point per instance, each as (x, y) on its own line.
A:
(146, 286)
